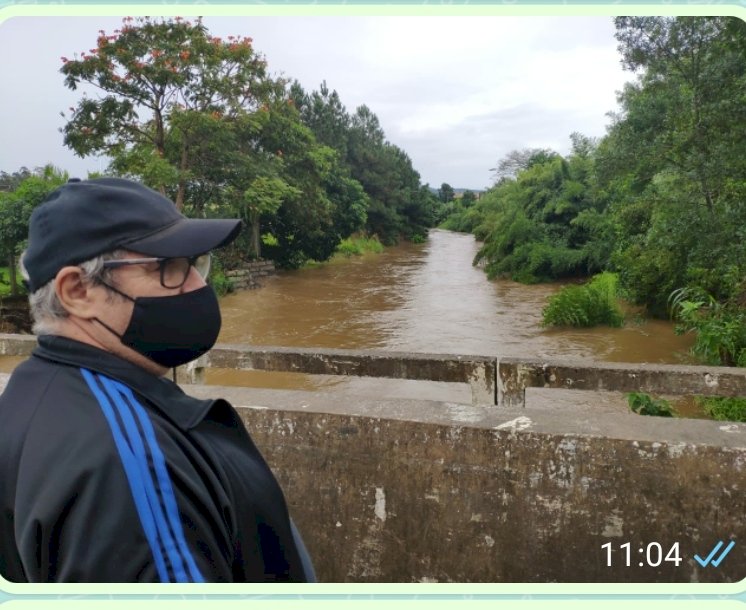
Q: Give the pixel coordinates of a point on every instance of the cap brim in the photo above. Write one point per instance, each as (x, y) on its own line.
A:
(188, 237)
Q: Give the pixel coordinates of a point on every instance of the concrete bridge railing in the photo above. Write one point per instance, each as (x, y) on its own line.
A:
(493, 380)
(401, 490)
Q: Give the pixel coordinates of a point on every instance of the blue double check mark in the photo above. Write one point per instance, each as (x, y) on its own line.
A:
(715, 562)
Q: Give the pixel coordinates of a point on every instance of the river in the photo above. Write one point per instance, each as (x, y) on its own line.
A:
(423, 298)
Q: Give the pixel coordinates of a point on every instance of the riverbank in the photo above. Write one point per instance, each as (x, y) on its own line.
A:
(425, 298)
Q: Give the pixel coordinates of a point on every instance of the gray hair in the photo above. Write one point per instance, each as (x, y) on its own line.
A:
(46, 309)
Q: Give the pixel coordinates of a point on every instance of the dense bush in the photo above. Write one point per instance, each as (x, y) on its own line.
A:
(546, 223)
(644, 404)
(463, 219)
(587, 305)
(217, 278)
(720, 339)
(720, 327)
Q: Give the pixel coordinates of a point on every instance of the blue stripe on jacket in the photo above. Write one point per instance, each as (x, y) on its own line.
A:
(147, 474)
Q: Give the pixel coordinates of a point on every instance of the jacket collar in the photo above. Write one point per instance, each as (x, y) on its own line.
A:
(185, 411)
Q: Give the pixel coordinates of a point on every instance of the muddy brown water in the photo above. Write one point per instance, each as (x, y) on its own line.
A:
(422, 298)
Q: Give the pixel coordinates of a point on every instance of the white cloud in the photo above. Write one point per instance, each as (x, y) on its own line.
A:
(456, 93)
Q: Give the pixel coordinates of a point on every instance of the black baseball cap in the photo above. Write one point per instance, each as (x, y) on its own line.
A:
(85, 218)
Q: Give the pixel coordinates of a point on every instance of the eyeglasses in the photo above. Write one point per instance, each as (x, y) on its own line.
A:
(174, 271)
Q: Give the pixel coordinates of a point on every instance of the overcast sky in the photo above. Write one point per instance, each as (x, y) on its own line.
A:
(456, 93)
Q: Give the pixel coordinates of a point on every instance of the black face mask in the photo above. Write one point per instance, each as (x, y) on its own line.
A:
(172, 330)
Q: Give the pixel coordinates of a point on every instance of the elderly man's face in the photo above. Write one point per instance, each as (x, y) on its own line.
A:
(137, 280)
(145, 279)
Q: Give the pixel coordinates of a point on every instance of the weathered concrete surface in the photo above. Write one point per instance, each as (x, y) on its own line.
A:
(516, 374)
(492, 381)
(422, 491)
(411, 490)
(478, 371)
(16, 345)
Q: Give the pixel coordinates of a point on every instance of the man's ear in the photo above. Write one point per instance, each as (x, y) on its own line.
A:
(79, 298)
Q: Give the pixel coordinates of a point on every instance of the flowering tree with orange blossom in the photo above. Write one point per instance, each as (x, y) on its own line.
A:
(159, 82)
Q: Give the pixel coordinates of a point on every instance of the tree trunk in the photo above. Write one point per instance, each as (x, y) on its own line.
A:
(12, 274)
(256, 242)
(160, 138)
(183, 162)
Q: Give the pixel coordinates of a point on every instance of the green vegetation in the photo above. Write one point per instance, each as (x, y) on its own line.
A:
(720, 327)
(21, 193)
(446, 193)
(544, 224)
(644, 404)
(221, 284)
(588, 305)
(398, 205)
(723, 408)
(5, 286)
(660, 200)
(359, 245)
(203, 120)
(720, 339)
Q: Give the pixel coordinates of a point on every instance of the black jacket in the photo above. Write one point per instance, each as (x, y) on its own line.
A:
(111, 474)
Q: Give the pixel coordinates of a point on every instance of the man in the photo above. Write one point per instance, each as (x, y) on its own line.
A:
(108, 471)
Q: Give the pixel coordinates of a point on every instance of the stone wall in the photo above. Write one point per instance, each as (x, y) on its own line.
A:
(251, 275)
(15, 315)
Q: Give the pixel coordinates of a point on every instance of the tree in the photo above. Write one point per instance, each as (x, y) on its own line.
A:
(674, 160)
(325, 202)
(395, 203)
(10, 182)
(264, 197)
(446, 193)
(687, 108)
(468, 199)
(15, 212)
(548, 222)
(157, 78)
(324, 114)
(519, 160)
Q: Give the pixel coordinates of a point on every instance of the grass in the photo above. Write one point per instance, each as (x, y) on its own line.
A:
(723, 408)
(359, 245)
(355, 245)
(591, 304)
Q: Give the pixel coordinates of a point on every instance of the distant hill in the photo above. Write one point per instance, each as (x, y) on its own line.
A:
(459, 191)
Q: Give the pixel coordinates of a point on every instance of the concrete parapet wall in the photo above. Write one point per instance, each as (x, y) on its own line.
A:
(517, 374)
(478, 371)
(16, 345)
(405, 491)
(501, 381)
